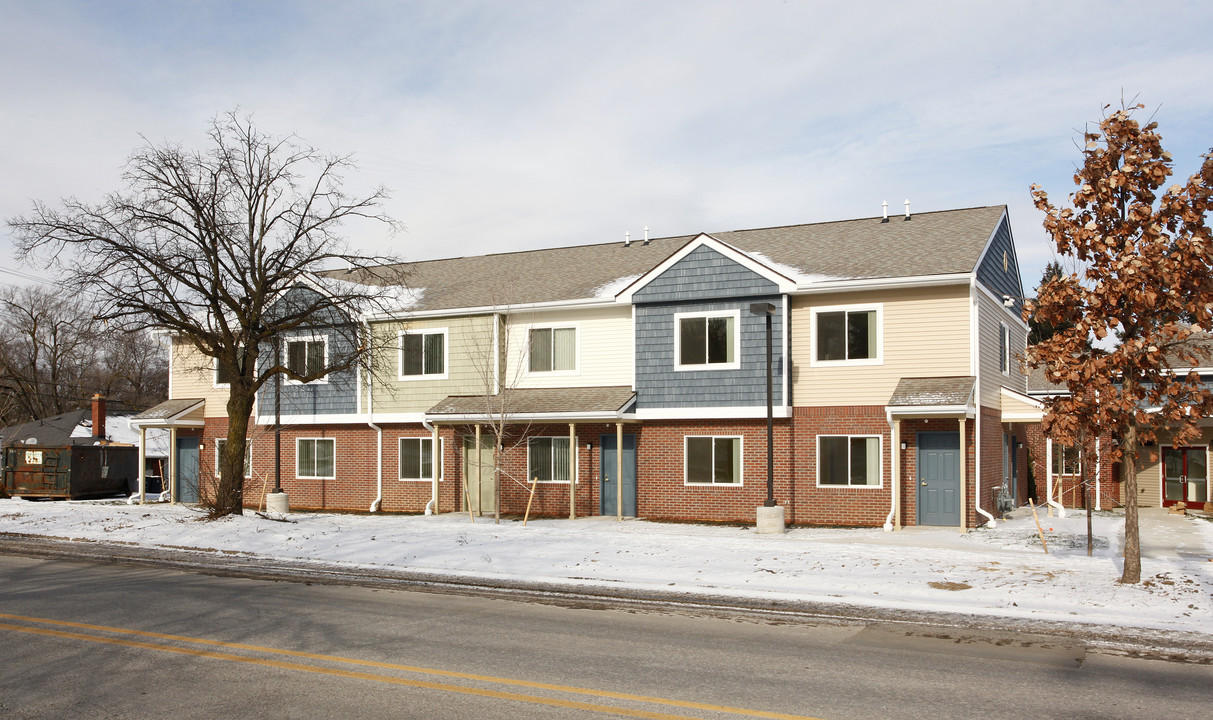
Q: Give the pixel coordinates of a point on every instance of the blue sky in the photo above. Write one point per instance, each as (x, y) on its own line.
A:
(513, 125)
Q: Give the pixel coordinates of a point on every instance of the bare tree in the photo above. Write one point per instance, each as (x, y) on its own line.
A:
(221, 248)
(1146, 272)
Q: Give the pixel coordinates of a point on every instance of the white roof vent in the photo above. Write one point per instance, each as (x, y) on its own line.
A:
(907, 208)
(646, 234)
(627, 238)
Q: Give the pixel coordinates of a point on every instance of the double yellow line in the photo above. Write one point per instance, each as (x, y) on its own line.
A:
(389, 679)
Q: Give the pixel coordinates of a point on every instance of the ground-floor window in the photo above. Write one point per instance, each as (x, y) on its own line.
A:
(713, 460)
(548, 459)
(417, 460)
(220, 446)
(851, 460)
(314, 457)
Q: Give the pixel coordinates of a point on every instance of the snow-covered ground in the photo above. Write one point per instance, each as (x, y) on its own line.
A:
(1001, 571)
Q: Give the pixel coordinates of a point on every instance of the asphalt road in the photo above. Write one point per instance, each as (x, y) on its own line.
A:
(93, 640)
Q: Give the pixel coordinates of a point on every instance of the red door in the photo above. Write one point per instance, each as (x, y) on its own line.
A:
(1185, 476)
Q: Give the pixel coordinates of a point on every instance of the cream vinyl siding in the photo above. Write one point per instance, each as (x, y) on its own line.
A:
(990, 316)
(925, 333)
(469, 359)
(194, 377)
(604, 347)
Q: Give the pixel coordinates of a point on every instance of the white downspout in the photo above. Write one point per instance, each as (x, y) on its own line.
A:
(370, 421)
(1098, 469)
(895, 455)
(977, 466)
(431, 508)
(975, 335)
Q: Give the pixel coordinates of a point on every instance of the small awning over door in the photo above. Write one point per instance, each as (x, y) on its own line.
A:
(588, 404)
(933, 396)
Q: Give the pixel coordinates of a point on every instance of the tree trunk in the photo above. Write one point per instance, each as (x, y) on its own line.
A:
(229, 486)
(1128, 461)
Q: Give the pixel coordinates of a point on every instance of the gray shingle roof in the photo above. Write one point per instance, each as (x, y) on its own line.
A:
(168, 409)
(539, 401)
(914, 392)
(932, 243)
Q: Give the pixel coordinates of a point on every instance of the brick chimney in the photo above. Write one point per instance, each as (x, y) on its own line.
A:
(98, 415)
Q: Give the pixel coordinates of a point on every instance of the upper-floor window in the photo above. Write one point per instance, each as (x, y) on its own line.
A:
(707, 340)
(423, 354)
(307, 356)
(552, 349)
(847, 335)
(222, 379)
(1004, 349)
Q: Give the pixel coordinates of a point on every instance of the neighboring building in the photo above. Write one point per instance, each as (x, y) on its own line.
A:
(896, 394)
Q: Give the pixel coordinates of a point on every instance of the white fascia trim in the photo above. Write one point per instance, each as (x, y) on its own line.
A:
(490, 309)
(784, 283)
(555, 417)
(712, 413)
(1006, 310)
(1020, 397)
(1022, 417)
(162, 423)
(913, 411)
(829, 286)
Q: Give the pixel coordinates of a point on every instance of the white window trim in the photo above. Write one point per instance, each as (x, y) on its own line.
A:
(849, 486)
(576, 327)
(679, 317)
(1004, 341)
(740, 465)
(248, 457)
(878, 360)
(400, 456)
(446, 354)
(576, 460)
(287, 340)
(316, 477)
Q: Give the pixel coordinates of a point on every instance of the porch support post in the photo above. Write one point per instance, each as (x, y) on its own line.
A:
(1049, 474)
(897, 459)
(142, 464)
(479, 476)
(572, 471)
(172, 464)
(964, 476)
(1098, 468)
(619, 471)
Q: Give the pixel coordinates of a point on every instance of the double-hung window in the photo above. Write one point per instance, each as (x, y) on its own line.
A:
(314, 458)
(221, 446)
(848, 460)
(553, 349)
(847, 335)
(713, 460)
(548, 459)
(417, 459)
(306, 356)
(423, 354)
(707, 340)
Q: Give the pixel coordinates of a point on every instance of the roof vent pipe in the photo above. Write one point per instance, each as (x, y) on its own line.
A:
(907, 208)
(884, 206)
(646, 234)
(627, 238)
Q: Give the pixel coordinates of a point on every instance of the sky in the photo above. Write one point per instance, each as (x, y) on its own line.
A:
(502, 126)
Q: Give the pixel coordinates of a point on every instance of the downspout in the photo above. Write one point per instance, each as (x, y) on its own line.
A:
(895, 455)
(370, 421)
(431, 507)
(975, 336)
(1061, 510)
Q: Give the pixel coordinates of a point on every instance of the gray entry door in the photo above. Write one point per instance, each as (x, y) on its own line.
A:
(608, 477)
(939, 478)
(186, 487)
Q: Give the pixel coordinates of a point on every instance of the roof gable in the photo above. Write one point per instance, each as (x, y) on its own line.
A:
(706, 261)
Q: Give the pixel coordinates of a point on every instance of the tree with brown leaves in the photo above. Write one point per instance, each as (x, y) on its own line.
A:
(1144, 285)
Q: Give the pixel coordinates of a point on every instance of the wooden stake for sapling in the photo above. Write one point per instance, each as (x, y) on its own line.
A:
(534, 484)
(1039, 529)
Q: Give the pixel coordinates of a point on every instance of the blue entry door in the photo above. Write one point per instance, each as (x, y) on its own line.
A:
(938, 479)
(608, 477)
(185, 489)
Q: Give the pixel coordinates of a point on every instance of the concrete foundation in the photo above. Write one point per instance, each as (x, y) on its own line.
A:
(770, 520)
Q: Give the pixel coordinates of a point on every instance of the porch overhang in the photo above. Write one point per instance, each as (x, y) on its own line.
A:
(557, 405)
(1018, 407)
(179, 413)
(932, 397)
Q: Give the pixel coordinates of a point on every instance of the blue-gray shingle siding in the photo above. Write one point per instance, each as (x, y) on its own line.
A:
(990, 272)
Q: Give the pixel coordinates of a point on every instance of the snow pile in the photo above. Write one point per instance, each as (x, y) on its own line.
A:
(1001, 571)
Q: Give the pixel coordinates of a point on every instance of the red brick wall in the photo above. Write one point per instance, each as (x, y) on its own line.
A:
(1110, 484)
